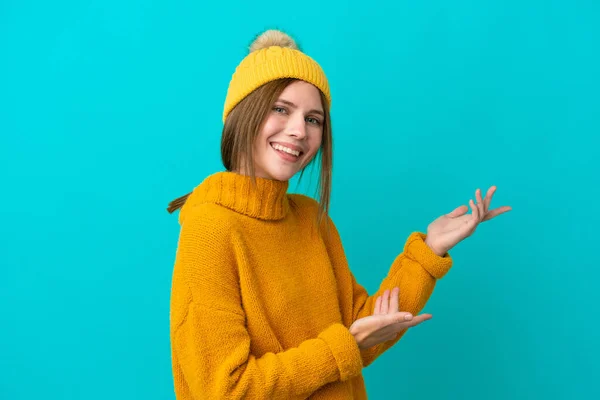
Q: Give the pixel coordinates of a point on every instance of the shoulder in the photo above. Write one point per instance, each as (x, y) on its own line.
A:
(206, 247)
(208, 223)
(303, 204)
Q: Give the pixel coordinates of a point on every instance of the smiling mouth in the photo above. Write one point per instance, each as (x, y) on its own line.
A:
(286, 150)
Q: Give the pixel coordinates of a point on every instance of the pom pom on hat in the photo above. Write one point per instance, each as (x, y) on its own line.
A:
(273, 37)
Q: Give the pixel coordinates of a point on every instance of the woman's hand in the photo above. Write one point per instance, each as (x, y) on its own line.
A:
(446, 231)
(385, 323)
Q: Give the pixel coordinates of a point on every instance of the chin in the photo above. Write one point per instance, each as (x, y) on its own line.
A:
(281, 175)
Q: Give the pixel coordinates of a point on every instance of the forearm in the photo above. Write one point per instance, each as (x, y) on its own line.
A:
(415, 272)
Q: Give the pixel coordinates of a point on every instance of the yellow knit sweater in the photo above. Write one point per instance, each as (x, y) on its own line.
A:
(261, 303)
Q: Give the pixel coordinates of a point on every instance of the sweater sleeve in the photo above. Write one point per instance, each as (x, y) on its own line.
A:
(211, 345)
(415, 271)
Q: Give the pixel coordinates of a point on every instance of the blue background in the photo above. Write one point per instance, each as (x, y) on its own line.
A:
(110, 109)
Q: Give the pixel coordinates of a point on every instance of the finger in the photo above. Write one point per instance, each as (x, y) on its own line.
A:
(419, 319)
(488, 198)
(479, 204)
(394, 300)
(496, 212)
(389, 321)
(457, 212)
(401, 317)
(377, 309)
(474, 210)
(385, 302)
(414, 321)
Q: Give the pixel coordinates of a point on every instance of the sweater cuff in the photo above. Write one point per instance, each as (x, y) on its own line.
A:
(417, 250)
(345, 350)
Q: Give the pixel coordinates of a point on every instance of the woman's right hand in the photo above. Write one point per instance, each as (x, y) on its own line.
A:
(385, 323)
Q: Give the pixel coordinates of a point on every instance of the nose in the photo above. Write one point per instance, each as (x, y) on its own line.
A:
(296, 127)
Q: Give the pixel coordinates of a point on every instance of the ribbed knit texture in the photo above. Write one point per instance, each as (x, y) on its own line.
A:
(261, 303)
(271, 63)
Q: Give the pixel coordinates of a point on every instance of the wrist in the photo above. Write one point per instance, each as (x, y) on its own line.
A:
(438, 251)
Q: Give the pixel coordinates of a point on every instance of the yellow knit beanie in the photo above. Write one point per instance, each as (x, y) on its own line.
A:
(273, 55)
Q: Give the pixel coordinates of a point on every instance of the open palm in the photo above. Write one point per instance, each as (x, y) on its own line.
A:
(449, 229)
(386, 322)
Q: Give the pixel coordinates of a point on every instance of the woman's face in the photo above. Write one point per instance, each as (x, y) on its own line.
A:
(291, 134)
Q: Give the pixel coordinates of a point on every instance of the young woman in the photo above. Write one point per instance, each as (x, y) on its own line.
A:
(264, 305)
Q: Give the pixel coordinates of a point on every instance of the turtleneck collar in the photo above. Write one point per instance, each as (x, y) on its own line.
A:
(267, 200)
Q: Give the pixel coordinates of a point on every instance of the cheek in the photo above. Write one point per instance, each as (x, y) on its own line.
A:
(271, 126)
(316, 141)
(263, 137)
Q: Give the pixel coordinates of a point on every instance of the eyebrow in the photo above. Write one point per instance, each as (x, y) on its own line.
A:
(289, 103)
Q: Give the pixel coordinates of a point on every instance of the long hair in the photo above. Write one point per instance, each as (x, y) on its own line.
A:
(243, 125)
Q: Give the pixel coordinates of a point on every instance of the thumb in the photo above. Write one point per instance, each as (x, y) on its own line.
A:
(457, 212)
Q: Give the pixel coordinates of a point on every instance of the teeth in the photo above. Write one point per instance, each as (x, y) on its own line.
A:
(285, 149)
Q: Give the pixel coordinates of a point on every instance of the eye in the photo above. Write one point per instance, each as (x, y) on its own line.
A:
(279, 110)
(313, 121)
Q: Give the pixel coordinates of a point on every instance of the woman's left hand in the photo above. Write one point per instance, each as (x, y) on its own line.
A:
(449, 229)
